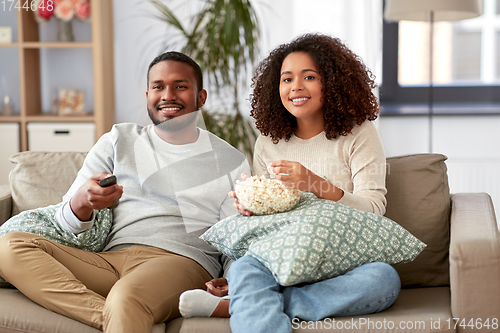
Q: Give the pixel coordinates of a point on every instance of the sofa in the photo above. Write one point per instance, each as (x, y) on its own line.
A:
(452, 286)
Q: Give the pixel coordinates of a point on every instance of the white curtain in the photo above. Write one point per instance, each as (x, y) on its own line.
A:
(358, 23)
(138, 36)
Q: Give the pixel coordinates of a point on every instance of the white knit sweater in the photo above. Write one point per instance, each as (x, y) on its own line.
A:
(354, 163)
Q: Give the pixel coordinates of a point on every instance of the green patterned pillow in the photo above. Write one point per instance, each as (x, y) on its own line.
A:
(42, 222)
(317, 240)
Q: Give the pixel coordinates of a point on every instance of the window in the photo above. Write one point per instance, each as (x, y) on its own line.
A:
(466, 63)
(466, 57)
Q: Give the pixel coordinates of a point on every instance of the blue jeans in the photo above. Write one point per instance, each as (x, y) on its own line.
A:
(260, 304)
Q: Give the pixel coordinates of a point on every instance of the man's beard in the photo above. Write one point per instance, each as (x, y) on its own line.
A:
(174, 124)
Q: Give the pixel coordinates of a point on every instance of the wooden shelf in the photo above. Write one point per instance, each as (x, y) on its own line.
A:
(30, 75)
(40, 45)
(10, 119)
(56, 118)
(9, 45)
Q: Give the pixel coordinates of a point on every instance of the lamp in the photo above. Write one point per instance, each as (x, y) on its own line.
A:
(431, 11)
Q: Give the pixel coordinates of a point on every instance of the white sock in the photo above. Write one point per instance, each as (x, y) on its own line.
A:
(198, 303)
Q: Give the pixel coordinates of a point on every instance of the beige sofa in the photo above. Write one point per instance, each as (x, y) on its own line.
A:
(457, 277)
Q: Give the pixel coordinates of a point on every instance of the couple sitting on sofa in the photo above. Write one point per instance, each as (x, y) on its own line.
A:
(173, 183)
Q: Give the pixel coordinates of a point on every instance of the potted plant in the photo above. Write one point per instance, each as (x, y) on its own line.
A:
(223, 38)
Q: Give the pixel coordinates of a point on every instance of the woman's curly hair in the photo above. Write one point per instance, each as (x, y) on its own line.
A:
(347, 88)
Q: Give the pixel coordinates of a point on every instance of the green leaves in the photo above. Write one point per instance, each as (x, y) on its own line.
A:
(167, 15)
(223, 38)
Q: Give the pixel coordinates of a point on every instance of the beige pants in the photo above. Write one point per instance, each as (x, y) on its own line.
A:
(127, 290)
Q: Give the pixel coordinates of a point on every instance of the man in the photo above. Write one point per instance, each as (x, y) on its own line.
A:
(173, 180)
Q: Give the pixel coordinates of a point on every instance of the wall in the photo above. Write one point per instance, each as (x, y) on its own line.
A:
(469, 141)
(139, 38)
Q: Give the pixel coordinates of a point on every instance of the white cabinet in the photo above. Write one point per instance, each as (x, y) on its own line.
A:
(10, 145)
(59, 136)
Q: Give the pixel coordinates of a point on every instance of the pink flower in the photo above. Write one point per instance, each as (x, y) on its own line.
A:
(83, 10)
(43, 11)
(64, 11)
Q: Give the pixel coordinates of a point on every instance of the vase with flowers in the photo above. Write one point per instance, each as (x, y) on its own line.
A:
(64, 11)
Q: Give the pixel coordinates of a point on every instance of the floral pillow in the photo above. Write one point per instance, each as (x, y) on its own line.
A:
(317, 240)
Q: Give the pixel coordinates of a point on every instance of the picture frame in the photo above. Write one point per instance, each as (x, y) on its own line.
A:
(71, 102)
(5, 35)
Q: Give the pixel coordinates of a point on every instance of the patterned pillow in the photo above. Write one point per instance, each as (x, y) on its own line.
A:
(42, 222)
(317, 240)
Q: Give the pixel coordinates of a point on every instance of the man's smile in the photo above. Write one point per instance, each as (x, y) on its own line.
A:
(169, 109)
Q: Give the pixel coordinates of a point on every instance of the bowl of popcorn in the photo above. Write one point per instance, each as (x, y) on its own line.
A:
(263, 196)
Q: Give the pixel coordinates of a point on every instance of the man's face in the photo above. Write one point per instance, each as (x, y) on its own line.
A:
(173, 93)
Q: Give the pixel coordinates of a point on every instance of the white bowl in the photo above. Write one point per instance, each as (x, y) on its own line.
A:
(263, 196)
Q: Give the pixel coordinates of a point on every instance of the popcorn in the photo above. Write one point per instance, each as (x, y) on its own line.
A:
(263, 196)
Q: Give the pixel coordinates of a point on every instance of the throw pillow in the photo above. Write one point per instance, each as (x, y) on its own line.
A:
(418, 197)
(42, 222)
(40, 179)
(317, 240)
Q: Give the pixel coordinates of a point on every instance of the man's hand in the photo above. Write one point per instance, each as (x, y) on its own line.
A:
(91, 196)
(217, 287)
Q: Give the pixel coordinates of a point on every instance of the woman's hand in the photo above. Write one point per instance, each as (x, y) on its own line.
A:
(305, 180)
(218, 287)
(241, 209)
(295, 174)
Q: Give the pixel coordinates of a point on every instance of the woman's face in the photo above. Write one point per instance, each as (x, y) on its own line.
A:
(301, 87)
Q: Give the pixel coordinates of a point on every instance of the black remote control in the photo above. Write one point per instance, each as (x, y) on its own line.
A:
(111, 180)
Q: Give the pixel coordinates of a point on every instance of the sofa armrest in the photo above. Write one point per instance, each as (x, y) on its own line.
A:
(474, 260)
(5, 203)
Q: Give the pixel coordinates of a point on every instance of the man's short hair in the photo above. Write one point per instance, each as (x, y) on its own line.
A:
(181, 57)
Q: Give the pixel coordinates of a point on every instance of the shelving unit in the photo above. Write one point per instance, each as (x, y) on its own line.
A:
(30, 44)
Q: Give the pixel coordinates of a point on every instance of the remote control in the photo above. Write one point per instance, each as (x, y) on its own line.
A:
(111, 180)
